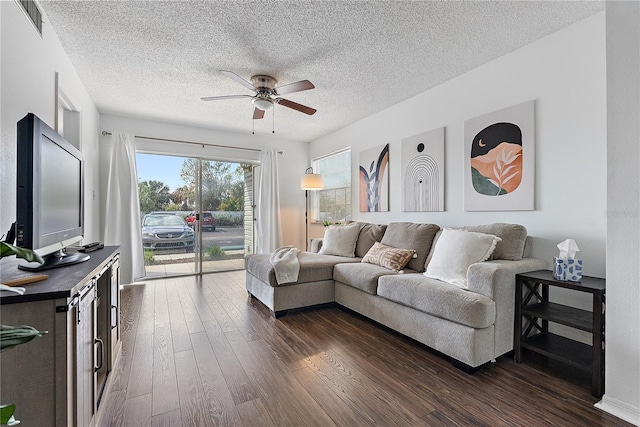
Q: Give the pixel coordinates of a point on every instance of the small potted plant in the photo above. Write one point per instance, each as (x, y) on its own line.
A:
(11, 336)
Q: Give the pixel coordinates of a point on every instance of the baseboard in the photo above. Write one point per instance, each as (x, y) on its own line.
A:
(620, 409)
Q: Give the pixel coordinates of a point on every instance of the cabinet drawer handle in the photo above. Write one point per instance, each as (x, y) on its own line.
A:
(114, 317)
(100, 353)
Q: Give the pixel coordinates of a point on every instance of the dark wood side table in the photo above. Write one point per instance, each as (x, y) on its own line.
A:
(534, 311)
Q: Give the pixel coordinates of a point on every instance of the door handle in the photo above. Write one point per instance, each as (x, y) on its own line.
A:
(114, 317)
(101, 353)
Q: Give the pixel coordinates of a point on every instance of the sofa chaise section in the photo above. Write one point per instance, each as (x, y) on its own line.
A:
(315, 284)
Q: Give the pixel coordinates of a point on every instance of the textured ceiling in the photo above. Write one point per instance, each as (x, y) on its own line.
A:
(156, 59)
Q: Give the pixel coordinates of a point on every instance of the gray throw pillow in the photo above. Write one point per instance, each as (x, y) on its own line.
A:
(411, 235)
(340, 240)
(369, 234)
(513, 238)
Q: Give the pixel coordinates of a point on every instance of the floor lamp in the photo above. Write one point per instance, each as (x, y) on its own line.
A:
(309, 181)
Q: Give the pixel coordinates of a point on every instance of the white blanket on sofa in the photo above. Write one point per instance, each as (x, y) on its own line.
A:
(285, 264)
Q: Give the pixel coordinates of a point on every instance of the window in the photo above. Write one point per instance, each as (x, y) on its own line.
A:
(333, 202)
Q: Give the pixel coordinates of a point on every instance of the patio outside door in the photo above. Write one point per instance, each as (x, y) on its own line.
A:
(192, 215)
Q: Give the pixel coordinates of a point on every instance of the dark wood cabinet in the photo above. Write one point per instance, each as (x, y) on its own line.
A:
(534, 311)
(57, 379)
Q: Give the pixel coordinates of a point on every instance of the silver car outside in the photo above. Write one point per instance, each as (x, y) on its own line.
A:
(166, 232)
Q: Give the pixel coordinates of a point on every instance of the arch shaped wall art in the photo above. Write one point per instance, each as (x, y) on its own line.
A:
(423, 172)
(499, 160)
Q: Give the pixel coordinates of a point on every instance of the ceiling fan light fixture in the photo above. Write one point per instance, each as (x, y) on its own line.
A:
(263, 103)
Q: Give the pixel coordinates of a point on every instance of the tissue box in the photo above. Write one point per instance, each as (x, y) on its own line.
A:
(567, 269)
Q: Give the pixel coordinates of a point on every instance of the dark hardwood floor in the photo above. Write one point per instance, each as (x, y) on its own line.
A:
(200, 352)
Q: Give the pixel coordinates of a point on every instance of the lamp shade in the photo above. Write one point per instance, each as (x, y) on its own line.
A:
(262, 103)
(311, 181)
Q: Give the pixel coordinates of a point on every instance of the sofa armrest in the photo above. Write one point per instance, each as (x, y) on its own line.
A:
(316, 245)
(491, 277)
(497, 280)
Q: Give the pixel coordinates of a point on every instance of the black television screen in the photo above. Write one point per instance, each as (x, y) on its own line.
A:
(49, 214)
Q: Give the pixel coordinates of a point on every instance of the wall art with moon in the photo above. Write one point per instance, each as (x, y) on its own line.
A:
(374, 179)
(500, 160)
(423, 172)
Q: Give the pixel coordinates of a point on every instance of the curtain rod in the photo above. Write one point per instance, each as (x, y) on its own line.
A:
(105, 133)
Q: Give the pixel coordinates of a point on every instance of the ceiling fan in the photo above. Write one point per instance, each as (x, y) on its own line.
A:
(267, 93)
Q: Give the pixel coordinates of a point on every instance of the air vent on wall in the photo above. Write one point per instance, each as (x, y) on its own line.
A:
(33, 12)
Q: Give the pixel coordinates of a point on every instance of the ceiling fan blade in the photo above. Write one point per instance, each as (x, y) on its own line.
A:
(215, 98)
(294, 105)
(257, 113)
(294, 87)
(237, 78)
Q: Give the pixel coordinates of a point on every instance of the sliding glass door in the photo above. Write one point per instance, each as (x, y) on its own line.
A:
(192, 214)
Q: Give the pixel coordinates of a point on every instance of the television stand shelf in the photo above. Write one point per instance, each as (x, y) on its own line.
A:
(57, 379)
(534, 311)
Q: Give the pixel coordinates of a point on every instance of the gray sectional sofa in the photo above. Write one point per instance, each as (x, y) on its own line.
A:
(472, 324)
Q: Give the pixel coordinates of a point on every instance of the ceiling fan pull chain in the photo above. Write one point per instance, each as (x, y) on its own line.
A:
(253, 130)
(273, 121)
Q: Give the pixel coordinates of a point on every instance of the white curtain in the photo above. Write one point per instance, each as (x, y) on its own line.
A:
(268, 230)
(122, 220)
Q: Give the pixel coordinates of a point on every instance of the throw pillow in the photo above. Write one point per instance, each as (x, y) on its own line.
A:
(455, 251)
(389, 257)
(411, 235)
(340, 240)
(513, 238)
(369, 234)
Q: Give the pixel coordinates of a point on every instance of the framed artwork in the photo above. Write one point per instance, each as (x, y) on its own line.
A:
(423, 172)
(374, 179)
(500, 160)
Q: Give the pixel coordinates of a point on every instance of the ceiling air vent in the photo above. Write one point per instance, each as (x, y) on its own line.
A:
(33, 12)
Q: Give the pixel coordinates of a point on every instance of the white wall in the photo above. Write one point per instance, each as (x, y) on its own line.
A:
(27, 84)
(622, 376)
(292, 162)
(565, 73)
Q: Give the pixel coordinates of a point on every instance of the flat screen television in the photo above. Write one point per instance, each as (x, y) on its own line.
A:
(49, 214)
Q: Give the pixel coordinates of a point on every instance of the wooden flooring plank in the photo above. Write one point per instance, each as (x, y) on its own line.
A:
(237, 315)
(165, 383)
(256, 413)
(191, 317)
(239, 384)
(161, 307)
(137, 411)
(197, 290)
(361, 394)
(179, 331)
(222, 409)
(167, 419)
(212, 282)
(142, 357)
(280, 391)
(110, 413)
(131, 301)
(141, 379)
(193, 406)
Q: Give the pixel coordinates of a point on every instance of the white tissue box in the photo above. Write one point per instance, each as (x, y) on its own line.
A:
(567, 269)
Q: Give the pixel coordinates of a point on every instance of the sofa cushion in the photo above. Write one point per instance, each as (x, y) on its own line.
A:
(369, 234)
(410, 235)
(385, 256)
(313, 267)
(361, 276)
(340, 240)
(455, 251)
(438, 299)
(513, 238)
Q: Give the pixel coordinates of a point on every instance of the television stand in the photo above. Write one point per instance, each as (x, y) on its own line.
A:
(57, 259)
